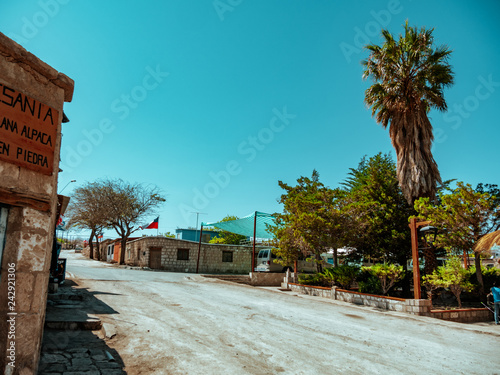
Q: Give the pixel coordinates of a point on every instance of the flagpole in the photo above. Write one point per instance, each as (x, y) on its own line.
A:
(254, 234)
(158, 228)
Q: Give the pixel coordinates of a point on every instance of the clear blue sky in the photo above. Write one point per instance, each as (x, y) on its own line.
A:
(215, 101)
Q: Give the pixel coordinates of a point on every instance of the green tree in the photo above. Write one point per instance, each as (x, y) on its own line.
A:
(378, 211)
(452, 276)
(226, 237)
(410, 75)
(311, 222)
(462, 216)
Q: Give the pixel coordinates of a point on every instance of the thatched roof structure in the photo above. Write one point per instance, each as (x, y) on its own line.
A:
(487, 242)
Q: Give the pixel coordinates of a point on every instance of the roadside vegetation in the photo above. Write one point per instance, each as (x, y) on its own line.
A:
(370, 211)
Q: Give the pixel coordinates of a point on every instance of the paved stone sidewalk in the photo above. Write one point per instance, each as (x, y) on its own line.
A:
(77, 360)
(73, 343)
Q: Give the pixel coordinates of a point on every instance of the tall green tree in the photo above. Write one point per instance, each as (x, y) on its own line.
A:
(311, 222)
(462, 216)
(378, 210)
(410, 75)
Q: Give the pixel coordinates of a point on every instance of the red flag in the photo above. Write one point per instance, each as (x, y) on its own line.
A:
(153, 225)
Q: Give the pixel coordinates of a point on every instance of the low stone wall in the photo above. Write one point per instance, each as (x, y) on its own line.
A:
(266, 278)
(464, 315)
(422, 307)
(318, 291)
(410, 306)
(382, 302)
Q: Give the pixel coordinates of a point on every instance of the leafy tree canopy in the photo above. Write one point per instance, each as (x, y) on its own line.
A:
(463, 215)
(311, 222)
(378, 210)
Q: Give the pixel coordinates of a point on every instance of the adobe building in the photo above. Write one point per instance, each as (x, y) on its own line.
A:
(32, 95)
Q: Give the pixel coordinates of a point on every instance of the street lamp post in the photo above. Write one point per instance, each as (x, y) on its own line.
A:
(66, 186)
(414, 225)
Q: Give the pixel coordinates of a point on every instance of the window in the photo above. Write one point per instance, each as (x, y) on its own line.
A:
(227, 256)
(182, 254)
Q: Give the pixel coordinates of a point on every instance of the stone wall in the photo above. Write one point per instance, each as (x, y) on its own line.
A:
(464, 315)
(410, 306)
(266, 278)
(30, 195)
(422, 307)
(211, 255)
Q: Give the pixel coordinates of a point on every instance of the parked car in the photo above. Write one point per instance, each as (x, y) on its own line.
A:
(266, 263)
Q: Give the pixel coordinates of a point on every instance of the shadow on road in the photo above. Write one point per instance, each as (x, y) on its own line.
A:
(73, 340)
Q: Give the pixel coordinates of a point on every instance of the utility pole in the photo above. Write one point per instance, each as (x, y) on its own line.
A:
(197, 217)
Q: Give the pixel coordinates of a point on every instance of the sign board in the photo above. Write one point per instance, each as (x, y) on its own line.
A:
(28, 131)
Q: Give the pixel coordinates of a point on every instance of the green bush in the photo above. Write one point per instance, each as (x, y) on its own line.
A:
(451, 276)
(342, 276)
(316, 279)
(388, 274)
(490, 275)
(368, 283)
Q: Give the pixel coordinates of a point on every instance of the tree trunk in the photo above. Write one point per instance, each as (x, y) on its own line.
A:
(319, 263)
(98, 250)
(430, 260)
(479, 274)
(91, 245)
(123, 249)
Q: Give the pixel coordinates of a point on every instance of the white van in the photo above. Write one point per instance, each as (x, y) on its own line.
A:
(266, 263)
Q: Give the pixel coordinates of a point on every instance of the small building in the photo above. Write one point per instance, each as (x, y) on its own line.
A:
(191, 234)
(178, 255)
(107, 250)
(32, 96)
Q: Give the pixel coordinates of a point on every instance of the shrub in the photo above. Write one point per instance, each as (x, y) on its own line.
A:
(342, 276)
(368, 283)
(490, 275)
(388, 274)
(452, 276)
(316, 279)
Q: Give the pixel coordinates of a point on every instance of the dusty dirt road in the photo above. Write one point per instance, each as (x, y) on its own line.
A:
(170, 323)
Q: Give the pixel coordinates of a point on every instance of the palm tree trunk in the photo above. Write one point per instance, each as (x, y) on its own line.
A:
(417, 171)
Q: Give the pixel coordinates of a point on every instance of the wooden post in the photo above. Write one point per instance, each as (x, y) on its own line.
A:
(414, 253)
(199, 249)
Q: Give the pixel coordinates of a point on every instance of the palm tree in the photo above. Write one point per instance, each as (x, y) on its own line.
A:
(410, 75)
